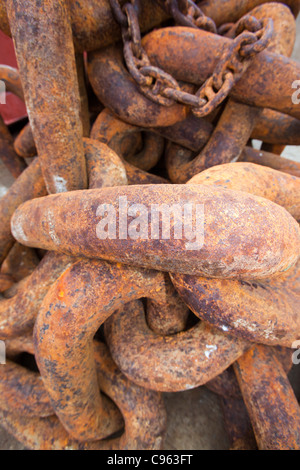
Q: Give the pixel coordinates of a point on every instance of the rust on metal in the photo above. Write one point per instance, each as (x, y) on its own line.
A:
(148, 247)
(53, 112)
(273, 408)
(230, 250)
(267, 82)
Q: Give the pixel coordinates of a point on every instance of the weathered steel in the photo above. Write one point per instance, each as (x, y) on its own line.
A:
(117, 135)
(9, 157)
(142, 409)
(185, 283)
(262, 181)
(20, 262)
(226, 143)
(247, 250)
(24, 144)
(168, 363)
(93, 23)
(264, 311)
(273, 408)
(19, 310)
(106, 67)
(10, 77)
(271, 160)
(43, 38)
(78, 303)
(267, 83)
(228, 11)
(29, 185)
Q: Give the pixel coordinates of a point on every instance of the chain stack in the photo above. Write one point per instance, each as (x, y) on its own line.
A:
(135, 105)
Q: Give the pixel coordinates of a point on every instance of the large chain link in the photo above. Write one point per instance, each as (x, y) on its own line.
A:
(251, 37)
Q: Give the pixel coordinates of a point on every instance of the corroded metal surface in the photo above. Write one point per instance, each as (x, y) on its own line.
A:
(139, 407)
(93, 24)
(226, 143)
(267, 82)
(10, 77)
(228, 250)
(109, 287)
(186, 360)
(271, 184)
(101, 315)
(271, 403)
(106, 67)
(237, 306)
(52, 70)
(29, 185)
(230, 10)
(24, 143)
(271, 160)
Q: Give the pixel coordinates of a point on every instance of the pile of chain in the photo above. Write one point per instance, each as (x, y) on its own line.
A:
(134, 105)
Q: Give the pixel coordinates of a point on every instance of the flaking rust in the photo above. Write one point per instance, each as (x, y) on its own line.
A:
(134, 105)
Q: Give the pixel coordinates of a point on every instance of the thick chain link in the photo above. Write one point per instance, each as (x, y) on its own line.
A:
(251, 37)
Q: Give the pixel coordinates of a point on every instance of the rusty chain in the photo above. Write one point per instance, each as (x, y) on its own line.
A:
(187, 13)
(114, 321)
(251, 37)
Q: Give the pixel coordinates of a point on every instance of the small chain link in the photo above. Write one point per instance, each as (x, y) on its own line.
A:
(189, 14)
(249, 37)
(252, 37)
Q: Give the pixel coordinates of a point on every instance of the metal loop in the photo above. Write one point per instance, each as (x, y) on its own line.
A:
(252, 36)
(118, 13)
(265, 34)
(134, 32)
(214, 98)
(132, 66)
(159, 74)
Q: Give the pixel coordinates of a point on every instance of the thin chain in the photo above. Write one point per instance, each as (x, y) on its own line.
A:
(187, 13)
(250, 36)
